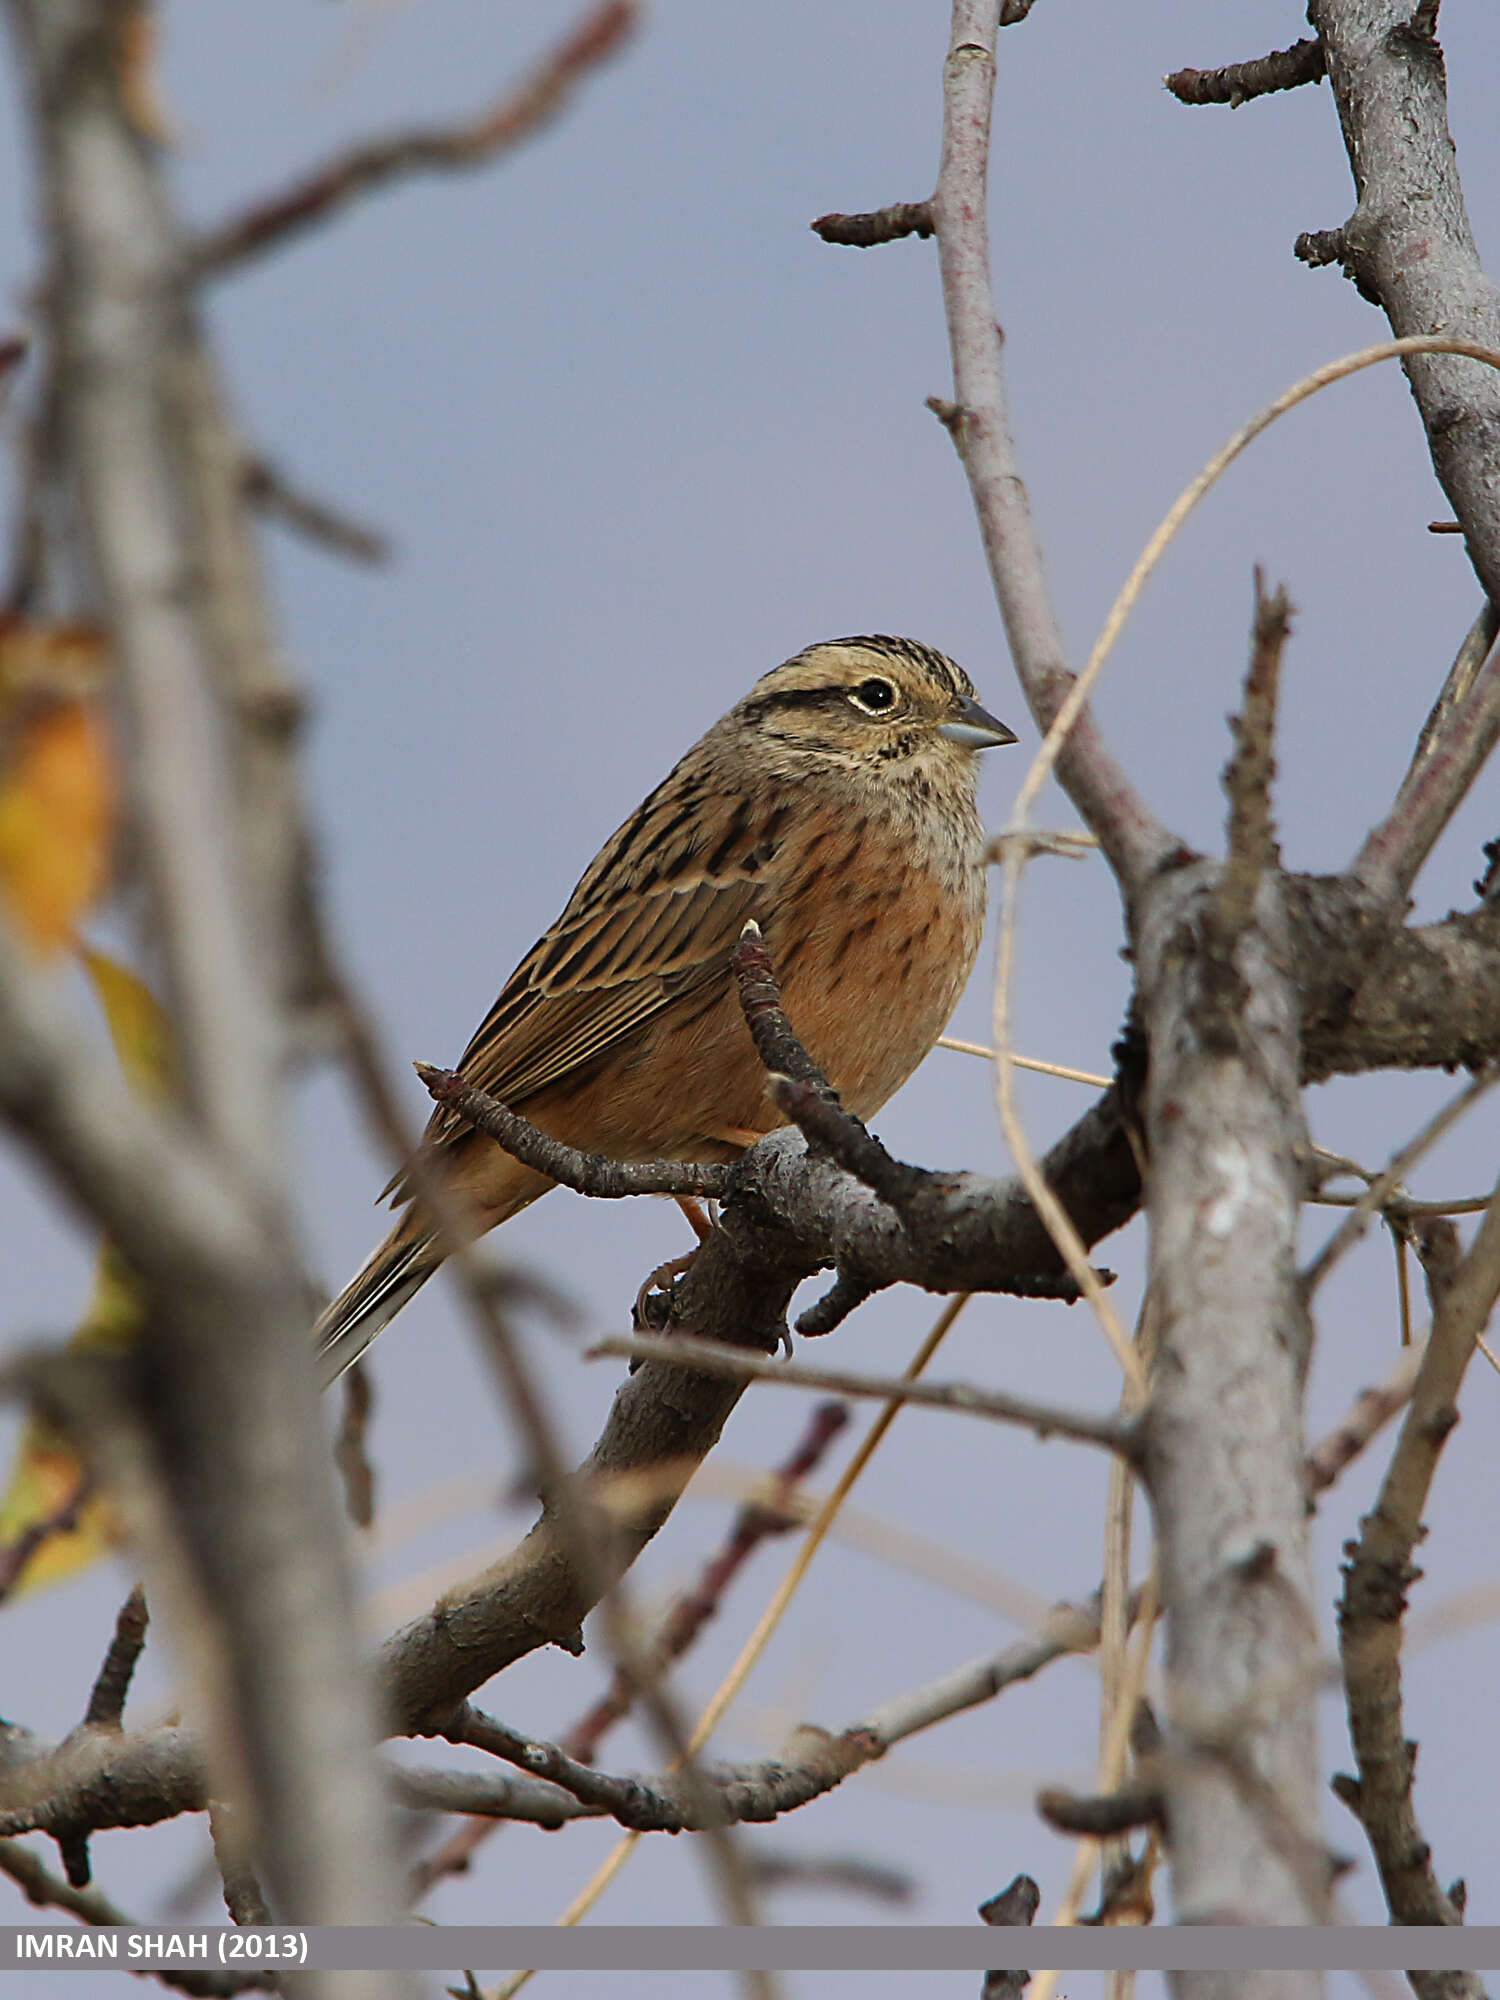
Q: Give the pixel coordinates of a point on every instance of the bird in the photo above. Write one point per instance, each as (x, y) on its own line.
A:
(834, 805)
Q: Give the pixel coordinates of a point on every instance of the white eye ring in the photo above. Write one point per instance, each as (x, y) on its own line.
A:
(874, 696)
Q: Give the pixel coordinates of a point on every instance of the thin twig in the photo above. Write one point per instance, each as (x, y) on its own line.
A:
(243, 1896)
(1026, 1062)
(1390, 1178)
(112, 1684)
(755, 1520)
(1251, 844)
(1378, 1574)
(61, 1519)
(596, 1558)
(1113, 1432)
(1369, 1413)
(518, 113)
(349, 1453)
(586, 1173)
(766, 1626)
(271, 492)
(1455, 742)
(44, 1890)
(776, 1041)
(812, 1765)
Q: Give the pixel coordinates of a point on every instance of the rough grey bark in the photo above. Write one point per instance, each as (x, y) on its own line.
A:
(225, 1380)
(1223, 1429)
(1409, 247)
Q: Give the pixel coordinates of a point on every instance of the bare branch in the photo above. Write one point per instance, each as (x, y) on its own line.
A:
(1106, 1815)
(1223, 1428)
(687, 1617)
(1015, 1906)
(849, 1874)
(44, 1890)
(1454, 747)
(242, 1892)
(1247, 781)
(586, 1173)
(1385, 1183)
(349, 1453)
(488, 1797)
(980, 426)
(1377, 1576)
(1115, 1433)
(270, 492)
(515, 116)
(813, 1763)
(107, 1698)
(1372, 1409)
(1236, 83)
(776, 1042)
(291, 1718)
(1410, 248)
(881, 225)
(757, 1520)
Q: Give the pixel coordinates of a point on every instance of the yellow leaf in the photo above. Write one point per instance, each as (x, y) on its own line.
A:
(137, 1025)
(57, 804)
(50, 1525)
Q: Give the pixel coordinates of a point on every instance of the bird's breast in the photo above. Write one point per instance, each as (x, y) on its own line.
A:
(874, 938)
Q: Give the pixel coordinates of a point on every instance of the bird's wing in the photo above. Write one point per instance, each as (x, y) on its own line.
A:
(656, 917)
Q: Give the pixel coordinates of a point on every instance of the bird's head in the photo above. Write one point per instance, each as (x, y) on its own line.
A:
(871, 700)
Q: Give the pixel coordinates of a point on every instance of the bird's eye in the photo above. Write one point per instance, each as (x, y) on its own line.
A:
(875, 697)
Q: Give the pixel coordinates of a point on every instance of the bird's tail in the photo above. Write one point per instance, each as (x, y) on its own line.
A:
(485, 1186)
(385, 1281)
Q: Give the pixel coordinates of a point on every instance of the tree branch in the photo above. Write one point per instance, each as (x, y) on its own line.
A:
(1223, 1428)
(1409, 246)
(881, 225)
(112, 1684)
(814, 1763)
(1377, 1576)
(267, 488)
(586, 1173)
(515, 116)
(1247, 781)
(1114, 1433)
(1455, 745)
(979, 424)
(226, 1350)
(1236, 83)
(43, 1890)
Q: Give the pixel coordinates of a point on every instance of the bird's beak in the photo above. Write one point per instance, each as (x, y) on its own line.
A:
(975, 728)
